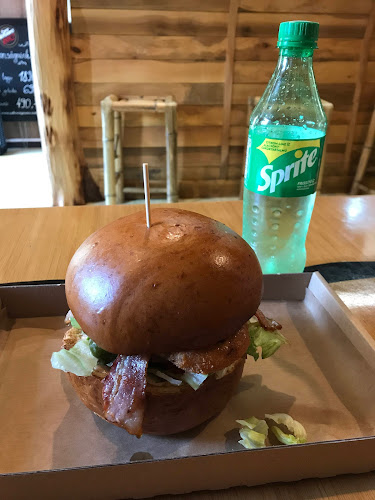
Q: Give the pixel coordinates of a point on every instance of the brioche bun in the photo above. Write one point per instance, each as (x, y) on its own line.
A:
(185, 283)
(169, 409)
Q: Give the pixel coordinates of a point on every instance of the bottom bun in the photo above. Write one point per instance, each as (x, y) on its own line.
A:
(169, 409)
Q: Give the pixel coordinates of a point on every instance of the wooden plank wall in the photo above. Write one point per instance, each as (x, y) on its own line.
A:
(210, 55)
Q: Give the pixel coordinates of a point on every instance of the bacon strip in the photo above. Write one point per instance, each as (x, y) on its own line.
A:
(267, 323)
(124, 392)
(214, 358)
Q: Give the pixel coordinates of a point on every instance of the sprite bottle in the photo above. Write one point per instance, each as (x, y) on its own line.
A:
(285, 146)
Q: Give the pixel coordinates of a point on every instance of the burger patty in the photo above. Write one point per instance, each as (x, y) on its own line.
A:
(124, 383)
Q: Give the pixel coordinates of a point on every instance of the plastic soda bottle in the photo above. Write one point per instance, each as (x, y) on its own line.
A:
(285, 145)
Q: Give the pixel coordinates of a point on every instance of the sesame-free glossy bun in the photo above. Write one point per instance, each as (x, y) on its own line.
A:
(185, 283)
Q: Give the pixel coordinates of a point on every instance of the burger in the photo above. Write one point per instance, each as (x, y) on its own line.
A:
(161, 320)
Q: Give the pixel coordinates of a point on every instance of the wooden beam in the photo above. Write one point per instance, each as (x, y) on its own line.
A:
(228, 84)
(108, 136)
(119, 167)
(54, 96)
(171, 150)
(366, 151)
(361, 78)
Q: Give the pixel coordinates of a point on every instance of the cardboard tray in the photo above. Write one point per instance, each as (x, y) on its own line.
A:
(52, 446)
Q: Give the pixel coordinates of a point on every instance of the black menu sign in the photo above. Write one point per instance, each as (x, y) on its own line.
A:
(17, 101)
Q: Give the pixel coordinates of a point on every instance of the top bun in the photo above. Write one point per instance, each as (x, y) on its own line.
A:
(185, 283)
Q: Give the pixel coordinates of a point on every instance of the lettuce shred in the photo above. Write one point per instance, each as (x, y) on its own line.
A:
(195, 380)
(253, 433)
(268, 342)
(297, 434)
(78, 360)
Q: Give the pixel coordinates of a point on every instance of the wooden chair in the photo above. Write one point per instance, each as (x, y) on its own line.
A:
(251, 103)
(112, 111)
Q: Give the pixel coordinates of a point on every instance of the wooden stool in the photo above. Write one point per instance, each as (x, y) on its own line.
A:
(251, 103)
(112, 110)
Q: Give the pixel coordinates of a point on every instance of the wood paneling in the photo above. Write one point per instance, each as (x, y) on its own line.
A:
(131, 71)
(325, 72)
(307, 7)
(148, 22)
(170, 47)
(144, 137)
(365, 73)
(228, 87)
(199, 116)
(207, 48)
(339, 94)
(187, 157)
(195, 187)
(264, 49)
(184, 93)
(331, 26)
(194, 5)
(134, 175)
(188, 48)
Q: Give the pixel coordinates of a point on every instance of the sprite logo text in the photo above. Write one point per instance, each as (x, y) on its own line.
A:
(283, 168)
(278, 176)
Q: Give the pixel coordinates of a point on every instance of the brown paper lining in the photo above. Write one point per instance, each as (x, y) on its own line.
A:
(320, 378)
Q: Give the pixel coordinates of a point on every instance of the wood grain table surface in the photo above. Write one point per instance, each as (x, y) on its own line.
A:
(37, 244)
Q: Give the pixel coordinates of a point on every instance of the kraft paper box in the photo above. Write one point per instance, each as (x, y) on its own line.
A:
(52, 446)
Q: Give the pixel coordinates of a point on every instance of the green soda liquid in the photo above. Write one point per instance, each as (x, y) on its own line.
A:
(276, 227)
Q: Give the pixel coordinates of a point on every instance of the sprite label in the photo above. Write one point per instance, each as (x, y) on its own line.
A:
(283, 167)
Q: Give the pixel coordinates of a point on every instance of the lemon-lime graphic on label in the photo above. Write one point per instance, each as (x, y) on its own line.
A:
(273, 148)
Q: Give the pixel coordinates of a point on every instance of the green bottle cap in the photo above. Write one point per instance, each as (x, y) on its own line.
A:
(298, 35)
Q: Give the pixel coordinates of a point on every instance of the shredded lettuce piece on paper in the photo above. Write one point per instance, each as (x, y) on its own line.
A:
(298, 433)
(195, 380)
(269, 342)
(253, 433)
(78, 360)
(164, 376)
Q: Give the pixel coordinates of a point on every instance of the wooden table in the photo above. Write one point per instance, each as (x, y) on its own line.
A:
(37, 244)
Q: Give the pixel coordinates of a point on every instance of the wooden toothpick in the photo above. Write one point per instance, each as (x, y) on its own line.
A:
(146, 184)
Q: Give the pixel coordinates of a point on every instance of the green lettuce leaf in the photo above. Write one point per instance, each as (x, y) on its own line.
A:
(252, 439)
(253, 433)
(69, 318)
(195, 380)
(78, 360)
(298, 432)
(74, 323)
(254, 423)
(269, 342)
